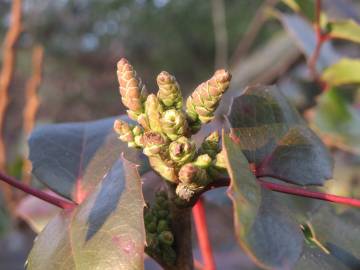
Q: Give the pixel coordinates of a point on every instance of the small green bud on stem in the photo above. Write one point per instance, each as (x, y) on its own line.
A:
(174, 124)
(182, 150)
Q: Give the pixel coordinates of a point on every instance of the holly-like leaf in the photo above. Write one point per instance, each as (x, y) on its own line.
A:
(346, 71)
(336, 119)
(346, 29)
(340, 234)
(72, 158)
(263, 227)
(106, 231)
(273, 135)
(314, 258)
(304, 36)
(306, 7)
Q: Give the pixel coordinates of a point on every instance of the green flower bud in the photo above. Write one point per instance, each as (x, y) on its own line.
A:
(154, 143)
(167, 172)
(203, 161)
(220, 161)
(143, 120)
(163, 225)
(151, 227)
(210, 145)
(169, 91)
(168, 254)
(174, 124)
(153, 110)
(202, 103)
(190, 173)
(163, 213)
(132, 90)
(166, 237)
(182, 150)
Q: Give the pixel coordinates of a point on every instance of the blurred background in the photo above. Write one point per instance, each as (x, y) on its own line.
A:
(65, 55)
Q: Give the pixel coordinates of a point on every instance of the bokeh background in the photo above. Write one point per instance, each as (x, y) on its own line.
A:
(82, 40)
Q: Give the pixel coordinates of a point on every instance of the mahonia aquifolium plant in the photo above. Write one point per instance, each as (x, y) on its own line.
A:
(164, 128)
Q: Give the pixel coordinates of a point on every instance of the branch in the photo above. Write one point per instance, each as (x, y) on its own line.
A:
(320, 40)
(296, 191)
(64, 204)
(203, 235)
(308, 193)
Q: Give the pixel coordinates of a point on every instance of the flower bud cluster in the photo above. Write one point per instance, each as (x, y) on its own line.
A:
(165, 129)
(159, 238)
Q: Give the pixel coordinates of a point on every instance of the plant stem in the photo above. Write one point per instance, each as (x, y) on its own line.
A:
(37, 193)
(308, 193)
(297, 191)
(181, 227)
(203, 235)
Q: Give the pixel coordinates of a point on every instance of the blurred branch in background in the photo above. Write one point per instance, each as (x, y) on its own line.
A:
(6, 75)
(220, 33)
(32, 102)
(253, 30)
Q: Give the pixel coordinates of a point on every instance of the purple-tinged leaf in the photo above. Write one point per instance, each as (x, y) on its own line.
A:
(275, 138)
(72, 158)
(106, 231)
(263, 227)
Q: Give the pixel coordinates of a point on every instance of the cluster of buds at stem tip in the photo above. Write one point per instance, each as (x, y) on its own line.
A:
(165, 128)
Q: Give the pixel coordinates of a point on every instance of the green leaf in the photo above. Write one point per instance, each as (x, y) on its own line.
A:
(72, 158)
(304, 36)
(306, 7)
(347, 29)
(315, 259)
(263, 228)
(338, 120)
(340, 234)
(106, 231)
(273, 135)
(346, 71)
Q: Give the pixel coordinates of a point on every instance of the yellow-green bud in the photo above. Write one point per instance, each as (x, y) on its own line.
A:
(153, 110)
(167, 172)
(190, 173)
(166, 237)
(182, 150)
(174, 124)
(154, 143)
(202, 103)
(203, 161)
(169, 91)
(132, 90)
(210, 145)
(124, 131)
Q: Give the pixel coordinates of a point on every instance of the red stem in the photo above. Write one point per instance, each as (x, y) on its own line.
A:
(203, 235)
(309, 194)
(37, 193)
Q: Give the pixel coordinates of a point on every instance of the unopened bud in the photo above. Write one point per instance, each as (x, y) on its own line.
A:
(182, 150)
(174, 124)
(169, 91)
